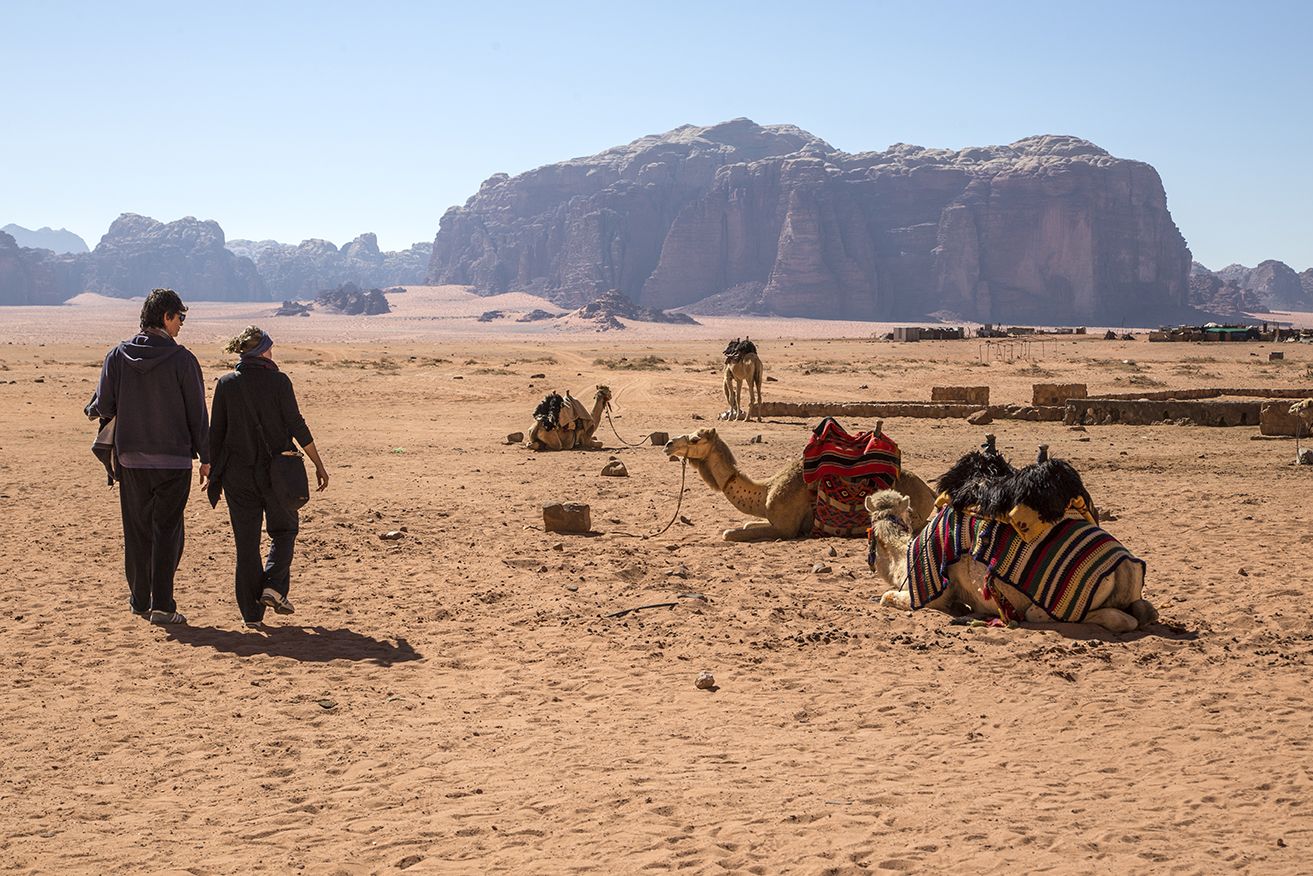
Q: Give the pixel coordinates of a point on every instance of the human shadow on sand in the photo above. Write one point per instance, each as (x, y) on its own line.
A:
(306, 644)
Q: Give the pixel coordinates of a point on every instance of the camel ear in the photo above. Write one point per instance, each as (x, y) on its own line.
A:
(711, 433)
(870, 503)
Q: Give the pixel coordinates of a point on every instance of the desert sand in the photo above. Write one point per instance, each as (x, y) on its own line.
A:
(458, 701)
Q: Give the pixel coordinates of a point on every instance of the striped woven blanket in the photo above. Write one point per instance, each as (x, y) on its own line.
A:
(1059, 572)
(832, 452)
(948, 536)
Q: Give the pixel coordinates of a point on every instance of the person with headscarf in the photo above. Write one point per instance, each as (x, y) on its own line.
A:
(257, 396)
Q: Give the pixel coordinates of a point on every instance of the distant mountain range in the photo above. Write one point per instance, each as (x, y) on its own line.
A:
(738, 218)
(59, 241)
(192, 256)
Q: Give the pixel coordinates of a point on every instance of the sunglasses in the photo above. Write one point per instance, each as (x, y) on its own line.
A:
(182, 317)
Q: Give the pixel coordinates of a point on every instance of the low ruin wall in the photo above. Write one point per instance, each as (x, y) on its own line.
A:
(1049, 394)
(881, 410)
(1145, 412)
(1276, 419)
(967, 395)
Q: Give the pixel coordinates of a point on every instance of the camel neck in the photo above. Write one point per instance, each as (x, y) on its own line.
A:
(720, 472)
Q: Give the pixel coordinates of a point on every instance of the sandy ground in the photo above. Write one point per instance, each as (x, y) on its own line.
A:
(458, 701)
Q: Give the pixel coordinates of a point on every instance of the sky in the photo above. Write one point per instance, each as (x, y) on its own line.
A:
(295, 120)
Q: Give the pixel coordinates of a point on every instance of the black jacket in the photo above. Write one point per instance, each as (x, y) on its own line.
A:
(233, 437)
(155, 389)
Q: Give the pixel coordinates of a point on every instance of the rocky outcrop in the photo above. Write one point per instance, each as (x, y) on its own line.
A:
(303, 268)
(1047, 229)
(36, 276)
(138, 254)
(351, 300)
(1272, 285)
(610, 307)
(60, 241)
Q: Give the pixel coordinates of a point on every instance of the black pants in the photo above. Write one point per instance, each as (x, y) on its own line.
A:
(250, 497)
(152, 502)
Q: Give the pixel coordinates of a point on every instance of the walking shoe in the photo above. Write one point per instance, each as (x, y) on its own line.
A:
(254, 625)
(139, 613)
(167, 617)
(275, 600)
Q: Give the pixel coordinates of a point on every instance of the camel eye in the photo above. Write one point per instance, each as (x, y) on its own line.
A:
(694, 440)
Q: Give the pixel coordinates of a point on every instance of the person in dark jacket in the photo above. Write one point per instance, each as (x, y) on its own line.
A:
(257, 396)
(153, 390)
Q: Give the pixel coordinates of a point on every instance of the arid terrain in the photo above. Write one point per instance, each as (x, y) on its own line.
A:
(459, 701)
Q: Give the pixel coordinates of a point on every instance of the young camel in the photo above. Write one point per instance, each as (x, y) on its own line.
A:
(745, 370)
(1118, 604)
(579, 436)
(785, 501)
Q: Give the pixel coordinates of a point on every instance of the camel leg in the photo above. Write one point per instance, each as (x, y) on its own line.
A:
(897, 599)
(1112, 619)
(757, 531)
(1143, 612)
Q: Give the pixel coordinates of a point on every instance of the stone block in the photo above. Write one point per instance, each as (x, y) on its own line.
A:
(1050, 394)
(1275, 419)
(658, 439)
(967, 395)
(567, 517)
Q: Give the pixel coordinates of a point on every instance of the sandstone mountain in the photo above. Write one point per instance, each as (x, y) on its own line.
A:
(1272, 283)
(313, 265)
(58, 240)
(35, 276)
(773, 219)
(138, 254)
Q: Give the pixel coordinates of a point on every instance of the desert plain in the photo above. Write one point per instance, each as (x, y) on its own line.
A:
(459, 701)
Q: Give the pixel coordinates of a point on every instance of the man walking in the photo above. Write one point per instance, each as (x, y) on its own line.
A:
(153, 388)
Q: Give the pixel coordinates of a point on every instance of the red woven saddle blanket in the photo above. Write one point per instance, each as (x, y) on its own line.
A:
(845, 469)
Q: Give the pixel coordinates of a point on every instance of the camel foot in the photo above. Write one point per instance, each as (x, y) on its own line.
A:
(899, 599)
(1143, 612)
(1112, 619)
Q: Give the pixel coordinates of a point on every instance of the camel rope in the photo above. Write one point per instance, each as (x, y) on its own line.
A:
(617, 431)
(683, 473)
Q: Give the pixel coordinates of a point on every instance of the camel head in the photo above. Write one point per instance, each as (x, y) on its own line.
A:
(603, 394)
(694, 446)
(891, 528)
(1303, 410)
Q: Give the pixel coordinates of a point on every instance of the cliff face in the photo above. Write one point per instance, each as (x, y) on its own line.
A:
(1047, 229)
(138, 254)
(315, 265)
(58, 240)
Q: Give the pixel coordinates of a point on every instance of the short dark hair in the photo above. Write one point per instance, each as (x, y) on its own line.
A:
(159, 304)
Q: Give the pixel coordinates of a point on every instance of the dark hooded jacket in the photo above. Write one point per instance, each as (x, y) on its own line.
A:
(154, 387)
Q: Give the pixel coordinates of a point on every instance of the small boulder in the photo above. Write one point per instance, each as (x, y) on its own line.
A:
(981, 417)
(821, 569)
(705, 681)
(515, 438)
(536, 376)
(392, 535)
(567, 517)
(658, 439)
(757, 439)
(615, 469)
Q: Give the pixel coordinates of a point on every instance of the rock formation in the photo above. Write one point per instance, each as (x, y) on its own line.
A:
(60, 241)
(317, 264)
(138, 254)
(773, 219)
(609, 308)
(36, 276)
(1272, 285)
(351, 300)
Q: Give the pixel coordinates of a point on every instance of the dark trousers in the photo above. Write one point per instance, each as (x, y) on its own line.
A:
(152, 502)
(250, 497)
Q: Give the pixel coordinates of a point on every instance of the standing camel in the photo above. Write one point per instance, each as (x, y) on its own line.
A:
(737, 372)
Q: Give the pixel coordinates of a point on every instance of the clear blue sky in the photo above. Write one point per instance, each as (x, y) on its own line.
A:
(290, 121)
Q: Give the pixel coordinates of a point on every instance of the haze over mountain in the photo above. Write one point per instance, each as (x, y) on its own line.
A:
(59, 241)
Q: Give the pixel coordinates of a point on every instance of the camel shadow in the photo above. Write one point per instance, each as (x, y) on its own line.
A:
(306, 644)
(1093, 632)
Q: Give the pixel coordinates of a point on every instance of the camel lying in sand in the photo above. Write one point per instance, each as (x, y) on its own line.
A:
(785, 501)
(1117, 604)
(578, 434)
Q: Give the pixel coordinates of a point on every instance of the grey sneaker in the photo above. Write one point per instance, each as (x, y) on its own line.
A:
(277, 601)
(165, 618)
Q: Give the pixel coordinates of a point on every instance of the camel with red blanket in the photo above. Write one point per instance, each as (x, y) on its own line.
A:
(788, 500)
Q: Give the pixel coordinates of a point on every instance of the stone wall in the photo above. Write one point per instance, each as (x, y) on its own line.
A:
(883, 409)
(1276, 419)
(971, 395)
(1056, 393)
(1143, 412)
